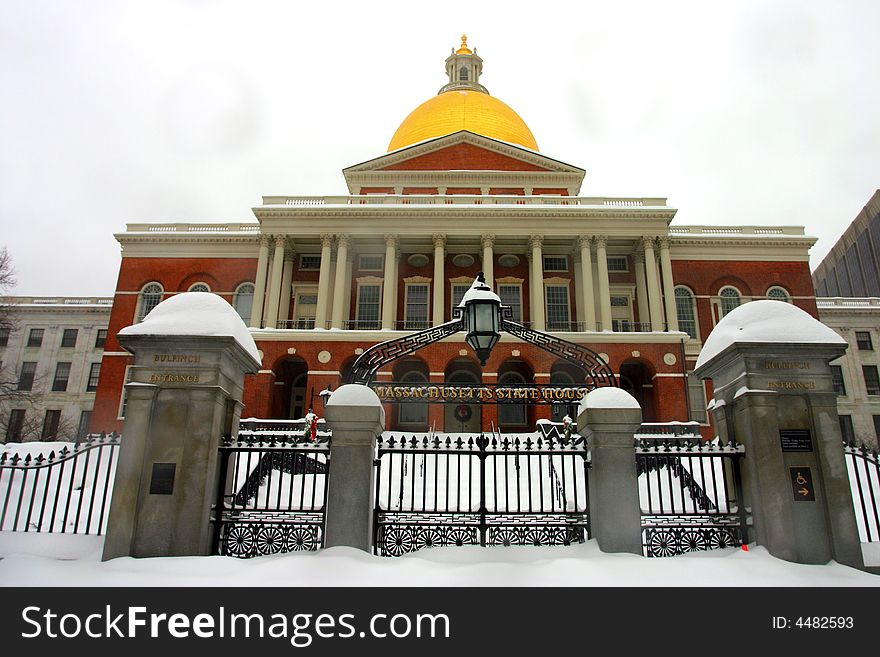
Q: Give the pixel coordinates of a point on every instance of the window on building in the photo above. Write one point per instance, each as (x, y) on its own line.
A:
(559, 411)
(730, 299)
(416, 306)
(697, 398)
(558, 318)
(511, 295)
(368, 304)
(26, 378)
(863, 341)
(617, 263)
(62, 376)
(876, 427)
(15, 426)
(123, 402)
(463, 74)
(687, 315)
(511, 414)
(243, 301)
(4, 337)
(199, 287)
(150, 297)
(846, 429)
(68, 338)
(777, 293)
(370, 262)
(85, 419)
(35, 338)
(304, 310)
(458, 292)
(413, 412)
(872, 381)
(555, 263)
(837, 380)
(309, 262)
(50, 425)
(94, 374)
(101, 339)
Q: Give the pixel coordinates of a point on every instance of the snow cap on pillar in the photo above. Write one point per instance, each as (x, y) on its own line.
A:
(607, 398)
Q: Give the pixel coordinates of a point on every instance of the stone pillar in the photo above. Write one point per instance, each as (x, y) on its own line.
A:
(578, 291)
(604, 285)
(321, 311)
(349, 266)
(271, 311)
(668, 285)
(260, 283)
(286, 290)
(642, 288)
(653, 284)
(439, 307)
(356, 416)
(389, 306)
(342, 242)
(536, 282)
(608, 419)
(488, 242)
(587, 299)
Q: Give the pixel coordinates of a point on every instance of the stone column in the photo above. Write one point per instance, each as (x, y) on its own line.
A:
(286, 281)
(576, 302)
(668, 285)
(604, 285)
(488, 242)
(439, 308)
(642, 288)
(260, 283)
(653, 284)
(271, 311)
(536, 281)
(389, 307)
(608, 418)
(342, 242)
(587, 299)
(356, 416)
(321, 311)
(349, 266)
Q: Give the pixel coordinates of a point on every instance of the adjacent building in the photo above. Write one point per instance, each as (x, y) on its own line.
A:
(50, 364)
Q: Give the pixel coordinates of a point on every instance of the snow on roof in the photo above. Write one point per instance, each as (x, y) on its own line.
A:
(196, 314)
(354, 394)
(772, 322)
(479, 290)
(608, 397)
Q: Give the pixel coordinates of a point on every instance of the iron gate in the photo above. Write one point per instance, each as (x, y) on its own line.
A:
(480, 490)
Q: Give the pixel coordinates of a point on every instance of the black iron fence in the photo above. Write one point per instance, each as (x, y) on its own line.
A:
(863, 467)
(65, 490)
(272, 492)
(690, 494)
(480, 491)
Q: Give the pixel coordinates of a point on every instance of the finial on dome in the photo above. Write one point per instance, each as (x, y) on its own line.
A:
(464, 50)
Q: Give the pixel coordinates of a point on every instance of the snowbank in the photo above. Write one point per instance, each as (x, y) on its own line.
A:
(198, 314)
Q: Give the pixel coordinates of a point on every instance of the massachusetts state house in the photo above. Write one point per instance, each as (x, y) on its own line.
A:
(463, 188)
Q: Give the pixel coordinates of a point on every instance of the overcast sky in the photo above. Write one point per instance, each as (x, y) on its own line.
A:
(113, 112)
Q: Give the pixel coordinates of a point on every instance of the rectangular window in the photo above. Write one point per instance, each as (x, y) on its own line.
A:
(555, 263)
(124, 401)
(557, 308)
(26, 378)
(872, 381)
(62, 375)
(68, 338)
(309, 262)
(837, 380)
(617, 263)
(369, 297)
(4, 337)
(458, 292)
(35, 338)
(863, 341)
(846, 428)
(101, 339)
(511, 295)
(94, 374)
(50, 425)
(416, 306)
(85, 419)
(370, 262)
(15, 426)
(697, 398)
(876, 427)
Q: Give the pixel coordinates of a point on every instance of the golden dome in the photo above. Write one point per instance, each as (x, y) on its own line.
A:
(457, 110)
(464, 50)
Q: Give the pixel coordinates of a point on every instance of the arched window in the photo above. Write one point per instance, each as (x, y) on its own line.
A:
(559, 411)
(684, 307)
(730, 299)
(463, 74)
(243, 301)
(150, 296)
(199, 287)
(412, 412)
(511, 414)
(778, 294)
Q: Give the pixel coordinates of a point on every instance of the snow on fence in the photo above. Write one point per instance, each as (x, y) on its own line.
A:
(58, 486)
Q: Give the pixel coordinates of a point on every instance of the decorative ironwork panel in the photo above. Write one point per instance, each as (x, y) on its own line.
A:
(863, 467)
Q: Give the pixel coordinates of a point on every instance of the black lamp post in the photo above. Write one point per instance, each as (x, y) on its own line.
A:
(481, 315)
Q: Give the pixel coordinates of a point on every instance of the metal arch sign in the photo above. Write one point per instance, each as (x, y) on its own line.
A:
(448, 393)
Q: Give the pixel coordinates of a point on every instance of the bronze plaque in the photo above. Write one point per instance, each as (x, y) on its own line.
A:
(162, 481)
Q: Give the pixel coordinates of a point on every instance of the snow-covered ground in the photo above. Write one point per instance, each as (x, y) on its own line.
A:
(54, 560)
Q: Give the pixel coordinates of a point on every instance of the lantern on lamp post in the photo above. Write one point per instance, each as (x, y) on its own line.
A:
(480, 310)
